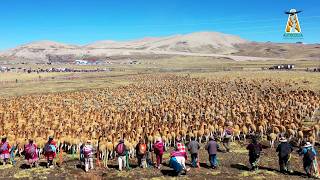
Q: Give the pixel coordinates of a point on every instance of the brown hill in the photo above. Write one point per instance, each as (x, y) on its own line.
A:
(194, 44)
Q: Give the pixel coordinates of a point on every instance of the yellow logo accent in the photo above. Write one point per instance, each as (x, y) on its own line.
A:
(293, 25)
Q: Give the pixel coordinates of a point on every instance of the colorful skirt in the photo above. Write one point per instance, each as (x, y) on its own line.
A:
(5, 156)
(50, 156)
(175, 164)
(33, 160)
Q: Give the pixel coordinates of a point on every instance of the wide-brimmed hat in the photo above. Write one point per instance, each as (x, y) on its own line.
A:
(283, 139)
(308, 144)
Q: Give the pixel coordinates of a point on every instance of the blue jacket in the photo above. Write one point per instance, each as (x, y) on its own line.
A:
(305, 150)
(306, 159)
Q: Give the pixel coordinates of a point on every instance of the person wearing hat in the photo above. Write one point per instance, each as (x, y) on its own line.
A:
(121, 151)
(227, 135)
(31, 153)
(158, 148)
(284, 150)
(255, 149)
(178, 162)
(4, 150)
(309, 159)
(50, 151)
(88, 156)
(212, 148)
(180, 155)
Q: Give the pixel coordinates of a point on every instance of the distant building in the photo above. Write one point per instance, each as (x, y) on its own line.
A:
(2, 68)
(283, 67)
(314, 69)
(133, 62)
(81, 62)
(88, 61)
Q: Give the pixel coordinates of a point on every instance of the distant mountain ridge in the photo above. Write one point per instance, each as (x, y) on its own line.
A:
(194, 44)
(185, 43)
(200, 42)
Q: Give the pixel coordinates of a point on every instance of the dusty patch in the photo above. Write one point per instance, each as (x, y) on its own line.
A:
(38, 172)
(6, 167)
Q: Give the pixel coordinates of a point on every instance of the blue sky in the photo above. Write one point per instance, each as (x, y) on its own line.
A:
(85, 21)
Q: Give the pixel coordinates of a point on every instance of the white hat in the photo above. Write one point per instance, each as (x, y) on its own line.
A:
(308, 144)
(283, 139)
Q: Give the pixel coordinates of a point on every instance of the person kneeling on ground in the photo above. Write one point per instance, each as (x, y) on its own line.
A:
(4, 150)
(193, 148)
(212, 148)
(177, 162)
(141, 152)
(50, 152)
(310, 164)
(121, 151)
(255, 149)
(284, 150)
(88, 156)
(31, 153)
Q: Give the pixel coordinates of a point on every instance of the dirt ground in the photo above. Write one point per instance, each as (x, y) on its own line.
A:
(232, 165)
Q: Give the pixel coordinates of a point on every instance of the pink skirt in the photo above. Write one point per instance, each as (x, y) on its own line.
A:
(4, 156)
(31, 161)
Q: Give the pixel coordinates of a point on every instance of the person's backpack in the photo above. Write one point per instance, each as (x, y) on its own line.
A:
(142, 149)
(4, 147)
(31, 150)
(310, 155)
(49, 148)
(87, 151)
(120, 148)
